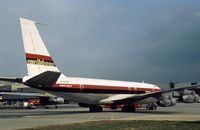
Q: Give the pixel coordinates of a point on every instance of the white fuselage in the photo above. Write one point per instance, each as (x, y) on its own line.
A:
(91, 91)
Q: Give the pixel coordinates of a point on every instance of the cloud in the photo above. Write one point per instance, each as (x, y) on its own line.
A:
(125, 40)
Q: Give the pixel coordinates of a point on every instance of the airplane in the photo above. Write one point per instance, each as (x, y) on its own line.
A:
(35, 99)
(43, 74)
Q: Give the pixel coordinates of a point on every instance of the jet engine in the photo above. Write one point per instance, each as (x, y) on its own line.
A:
(167, 102)
(189, 96)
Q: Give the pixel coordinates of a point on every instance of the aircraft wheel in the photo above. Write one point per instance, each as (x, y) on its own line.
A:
(151, 106)
(95, 109)
(148, 107)
(154, 106)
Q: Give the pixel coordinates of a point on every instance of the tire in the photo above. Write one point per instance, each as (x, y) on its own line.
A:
(151, 107)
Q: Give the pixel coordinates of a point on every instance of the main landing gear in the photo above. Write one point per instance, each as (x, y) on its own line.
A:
(95, 108)
(152, 106)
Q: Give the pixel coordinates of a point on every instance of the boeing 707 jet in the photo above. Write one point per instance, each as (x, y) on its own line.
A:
(43, 74)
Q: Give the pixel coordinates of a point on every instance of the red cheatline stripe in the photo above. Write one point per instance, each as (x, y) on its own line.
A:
(100, 87)
(104, 87)
(41, 57)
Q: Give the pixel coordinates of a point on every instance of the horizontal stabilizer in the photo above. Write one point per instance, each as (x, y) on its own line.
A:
(22, 94)
(9, 79)
(45, 78)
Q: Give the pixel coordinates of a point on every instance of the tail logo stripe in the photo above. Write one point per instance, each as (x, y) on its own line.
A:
(39, 60)
(41, 57)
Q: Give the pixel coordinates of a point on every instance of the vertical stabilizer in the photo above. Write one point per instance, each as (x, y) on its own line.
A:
(38, 59)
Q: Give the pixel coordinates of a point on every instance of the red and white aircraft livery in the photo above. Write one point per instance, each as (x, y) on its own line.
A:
(93, 93)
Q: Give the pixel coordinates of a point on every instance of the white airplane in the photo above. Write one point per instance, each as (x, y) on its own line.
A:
(43, 74)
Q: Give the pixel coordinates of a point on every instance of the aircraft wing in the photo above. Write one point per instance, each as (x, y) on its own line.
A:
(130, 98)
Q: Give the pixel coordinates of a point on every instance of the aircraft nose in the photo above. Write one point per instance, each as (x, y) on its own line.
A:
(157, 88)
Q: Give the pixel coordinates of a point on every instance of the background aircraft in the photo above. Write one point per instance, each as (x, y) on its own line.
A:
(21, 96)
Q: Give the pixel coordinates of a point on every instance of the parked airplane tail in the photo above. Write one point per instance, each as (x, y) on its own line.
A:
(38, 59)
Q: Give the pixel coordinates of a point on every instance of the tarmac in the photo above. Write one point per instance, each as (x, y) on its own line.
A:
(11, 119)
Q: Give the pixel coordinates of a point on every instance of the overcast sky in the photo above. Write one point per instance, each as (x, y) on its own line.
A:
(136, 40)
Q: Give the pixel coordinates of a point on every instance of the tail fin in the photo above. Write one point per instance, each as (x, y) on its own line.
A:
(38, 59)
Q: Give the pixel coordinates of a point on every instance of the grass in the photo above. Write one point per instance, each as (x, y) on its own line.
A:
(125, 125)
